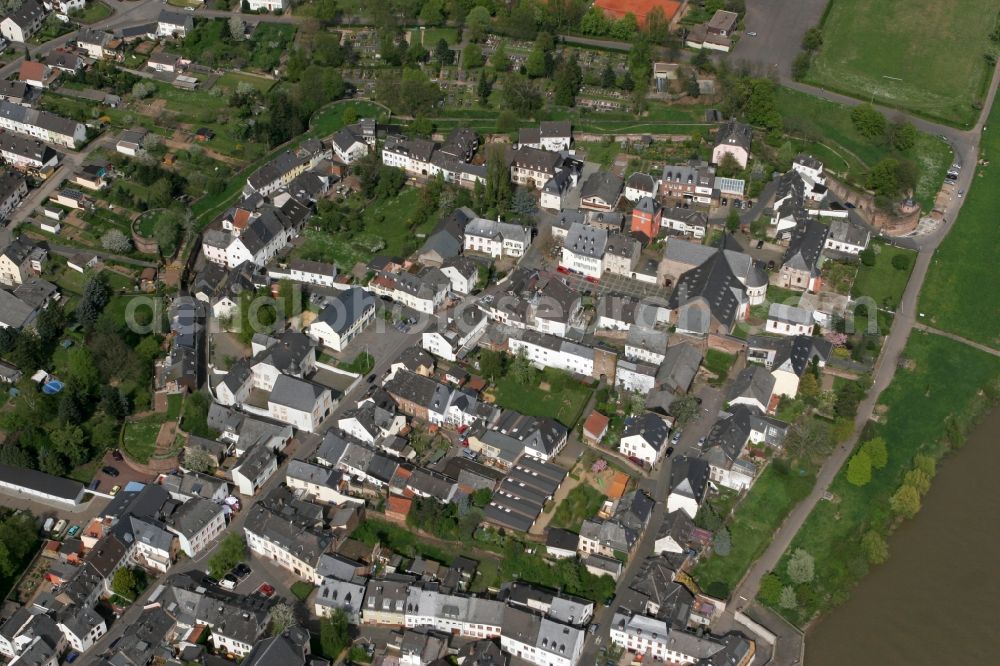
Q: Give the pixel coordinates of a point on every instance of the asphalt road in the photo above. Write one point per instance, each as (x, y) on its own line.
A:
(903, 323)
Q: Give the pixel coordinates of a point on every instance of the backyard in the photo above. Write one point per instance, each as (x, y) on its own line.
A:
(919, 55)
(886, 281)
(777, 490)
(139, 437)
(955, 296)
(581, 503)
(935, 393)
(555, 394)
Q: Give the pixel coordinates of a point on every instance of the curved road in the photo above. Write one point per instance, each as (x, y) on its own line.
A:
(903, 323)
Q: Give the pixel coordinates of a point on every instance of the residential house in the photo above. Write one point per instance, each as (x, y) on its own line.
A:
(647, 216)
(800, 268)
(595, 427)
(20, 260)
(343, 318)
(621, 255)
(424, 292)
(601, 191)
(301, 403)
(534, 167)
(197, 523)
(540, 640)
(41, 124)
(675, 533)
(555, 188)
(645, 438)
(753, 386)
(320, 484)
(733, 138)
(688, 182)
(684, 221)
(552, 135)
(440, 246)
(288, 532)
(583, 250)
(312, 272)
(22, 23)
(646, 345)
(788, 358)
(161, 61)
(385, 600)
(463, 273)
(132, 142)
(461, 332)
(847, 237)
(497, 239)
(723, 449)
(173, 24)
(561, 544)
(34, 73)
(97, 44)
(349, 143)
(635, 376)
(255, 467)
(641, 185)
(789, 320)
(688, 484)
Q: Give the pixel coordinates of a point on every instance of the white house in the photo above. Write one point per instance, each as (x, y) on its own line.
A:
(312, 272)
(645, 437)
(847, 237)
(632, 376)
(463, 273)
(646, 345)
(753, 387)
(496, 239)
(321, 483)
(733, 139)
(343, 318)
(348, 144)
(461, 331)
(410, 155)
(23, 22)
(173, 24)
(789, 320)
(552, 135)
(42, 125)
(688, 483)
(255, 468)
(583, 250)
(81, 626)
(548, 351)
(197, 523)
(640, 185)
(300, 403)
(540, 640)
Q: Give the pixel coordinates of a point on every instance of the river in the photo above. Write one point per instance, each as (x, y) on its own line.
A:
(937, 600)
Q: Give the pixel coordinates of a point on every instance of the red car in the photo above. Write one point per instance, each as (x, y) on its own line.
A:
(266, 590)
(563, 269)
(591, 278)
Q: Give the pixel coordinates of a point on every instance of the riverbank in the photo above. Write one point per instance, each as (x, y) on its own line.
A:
(939, 392)
(912, 609)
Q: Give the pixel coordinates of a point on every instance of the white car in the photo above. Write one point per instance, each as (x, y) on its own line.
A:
(751, 34)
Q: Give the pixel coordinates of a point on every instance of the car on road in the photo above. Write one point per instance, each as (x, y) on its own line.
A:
(241, 571)
(594, 627)
(670, 451)
(701, 441)
(228, 582)
(751, 34)
(760, 244)
(115, 489)
(117, 455)
(110, 471)
(676, 437)
(73, 531)
(961, 193)
(371, 379)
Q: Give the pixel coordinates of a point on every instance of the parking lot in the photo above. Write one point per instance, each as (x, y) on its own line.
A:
(126, 474)
(616, 284)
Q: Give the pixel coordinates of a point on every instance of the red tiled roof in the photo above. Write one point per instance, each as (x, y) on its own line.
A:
(32, 70)
(399, 506)
(596, 424)
(639, 8)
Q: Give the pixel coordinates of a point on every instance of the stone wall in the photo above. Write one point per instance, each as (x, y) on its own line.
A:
(143, 244)
(894, 224)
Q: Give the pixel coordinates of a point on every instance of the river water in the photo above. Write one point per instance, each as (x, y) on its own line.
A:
(937, 600)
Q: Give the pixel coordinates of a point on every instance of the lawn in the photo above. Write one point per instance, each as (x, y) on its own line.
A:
(776, 491)
(719, 363)
(956, 296)
(844, 151)
(883, 282)
(329, 120)
(362, 363)
(93, 12)
(301, 589)
(232, 79)
(581, 503)
(920, 55)
(386, 231)
(940, 384)
(564, 400)
(139, 437)
(433, 35)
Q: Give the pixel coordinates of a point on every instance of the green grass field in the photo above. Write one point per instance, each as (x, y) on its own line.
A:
(563, 401)
(883, 282)
(919, 55)
(581, 503)
(232, 79)
(93, 12)
(829, 135)
(959, 294)
(751, 526)
(943, 381)
(139, 437)
(719, 363)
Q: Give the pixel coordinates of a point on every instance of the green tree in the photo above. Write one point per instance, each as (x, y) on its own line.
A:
(874, 546)
(500, 60)
(334, 634)
(877, 452)
(521, 95)
(905, 502)
(524, 206)
(499, 191)
(787, 598)
(868, 256)
(484, 88)
(282, 617)
(477, 22)
(507, 121)
(926, 464)
(81, 371)
(432, 13)
(685, 409)
(728, 167)
(883, 179)
(733, 221)
(868, 121)
(800, 66)
(809, 387)
(812, 40)
(522, 370)
(770, 589)
(608, 78)
(568, 78)
(917, 480)
(491, 364)
(472, 56)
(809, 438)
(904, 136)
(761, 107)
(901, 262)
(231, 551)
(801, 566)
(127, 583)
(443, 53)
(859, 469)
(481, 497)
(534, 65)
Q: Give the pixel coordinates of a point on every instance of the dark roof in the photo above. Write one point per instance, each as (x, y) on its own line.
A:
(753, 382)
(689, 476)
(27, 13)
(734, 133)
(40, 482)
(805, 247)
(346, 308)
(641, 181)
(652, 428)
(714, 283)
(537, 160)
(730, 433)
(604, 185)
(563, 539)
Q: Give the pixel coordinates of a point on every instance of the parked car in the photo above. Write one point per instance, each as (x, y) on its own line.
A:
(670, 451)
(58, 529)
(94, 484)
(266, 590)
(73, 531)
(760, 244)
(241, 571)
(110, 471)
(594, 628)
(115, 489)
(751, 34)
(229, 582)
(371, 379)
(676, 437)
(701, 441)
